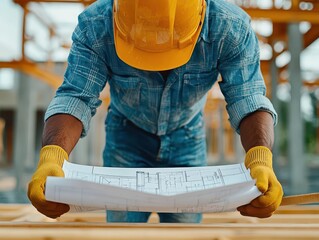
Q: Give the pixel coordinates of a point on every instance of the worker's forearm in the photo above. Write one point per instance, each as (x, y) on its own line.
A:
(257, 129)
(63, 130)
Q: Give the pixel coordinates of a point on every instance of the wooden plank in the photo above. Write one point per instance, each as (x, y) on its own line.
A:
(142, 234)
(26, 212)
(87, 217)
(293, 215)
(298, 209)
(13, 207)
(83, 225)
(9, 212)
(156, 231)
(113, 234)
(282, 218)
(289, 222)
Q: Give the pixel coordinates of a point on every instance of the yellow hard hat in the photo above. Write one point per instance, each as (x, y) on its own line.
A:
(157, 35)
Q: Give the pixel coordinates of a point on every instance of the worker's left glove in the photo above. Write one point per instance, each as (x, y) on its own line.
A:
(259, 161)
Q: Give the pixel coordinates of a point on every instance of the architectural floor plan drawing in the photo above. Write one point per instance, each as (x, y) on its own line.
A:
(193, 189)
(162, 181)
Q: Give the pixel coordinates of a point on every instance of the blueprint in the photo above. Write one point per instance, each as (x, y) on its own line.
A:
(191, 189)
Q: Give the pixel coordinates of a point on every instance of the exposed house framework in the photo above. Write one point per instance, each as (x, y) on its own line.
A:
(281, 14)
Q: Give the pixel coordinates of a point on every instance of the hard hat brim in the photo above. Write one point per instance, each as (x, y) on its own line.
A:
(151, 61)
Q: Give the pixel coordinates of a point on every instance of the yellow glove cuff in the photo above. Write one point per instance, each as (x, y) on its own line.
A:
(259, 155)
(53, 154)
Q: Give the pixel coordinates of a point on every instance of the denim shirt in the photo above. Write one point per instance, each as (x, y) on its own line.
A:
(227, 46)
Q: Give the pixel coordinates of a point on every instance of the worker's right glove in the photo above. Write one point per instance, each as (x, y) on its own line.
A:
(50, 164)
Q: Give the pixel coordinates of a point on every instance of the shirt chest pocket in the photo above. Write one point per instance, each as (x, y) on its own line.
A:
(125, 90)
(196, 85)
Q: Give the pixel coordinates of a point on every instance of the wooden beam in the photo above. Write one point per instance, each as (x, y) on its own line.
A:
(275, 15)
(279, 32)
(288, 223)
(295, 4)
(312, 35)
(314, 83)
(48, 77)
(145, 231)
(44, 19)
(285, 16)
(32, 69)
(12, 64)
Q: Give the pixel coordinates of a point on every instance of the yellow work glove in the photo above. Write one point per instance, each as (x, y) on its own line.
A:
(259, 161)
(50, 164)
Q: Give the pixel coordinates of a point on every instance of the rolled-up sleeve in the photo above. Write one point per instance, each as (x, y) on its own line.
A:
(242, 83)
(85, 77)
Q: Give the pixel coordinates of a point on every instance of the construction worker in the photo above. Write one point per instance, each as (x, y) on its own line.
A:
(160, 58)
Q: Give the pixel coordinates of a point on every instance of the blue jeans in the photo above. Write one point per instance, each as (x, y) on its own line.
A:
(129, 146)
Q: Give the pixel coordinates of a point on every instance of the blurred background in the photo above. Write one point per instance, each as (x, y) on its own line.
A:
(35, 38)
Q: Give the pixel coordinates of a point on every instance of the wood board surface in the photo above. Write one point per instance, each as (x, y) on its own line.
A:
(22, 221)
